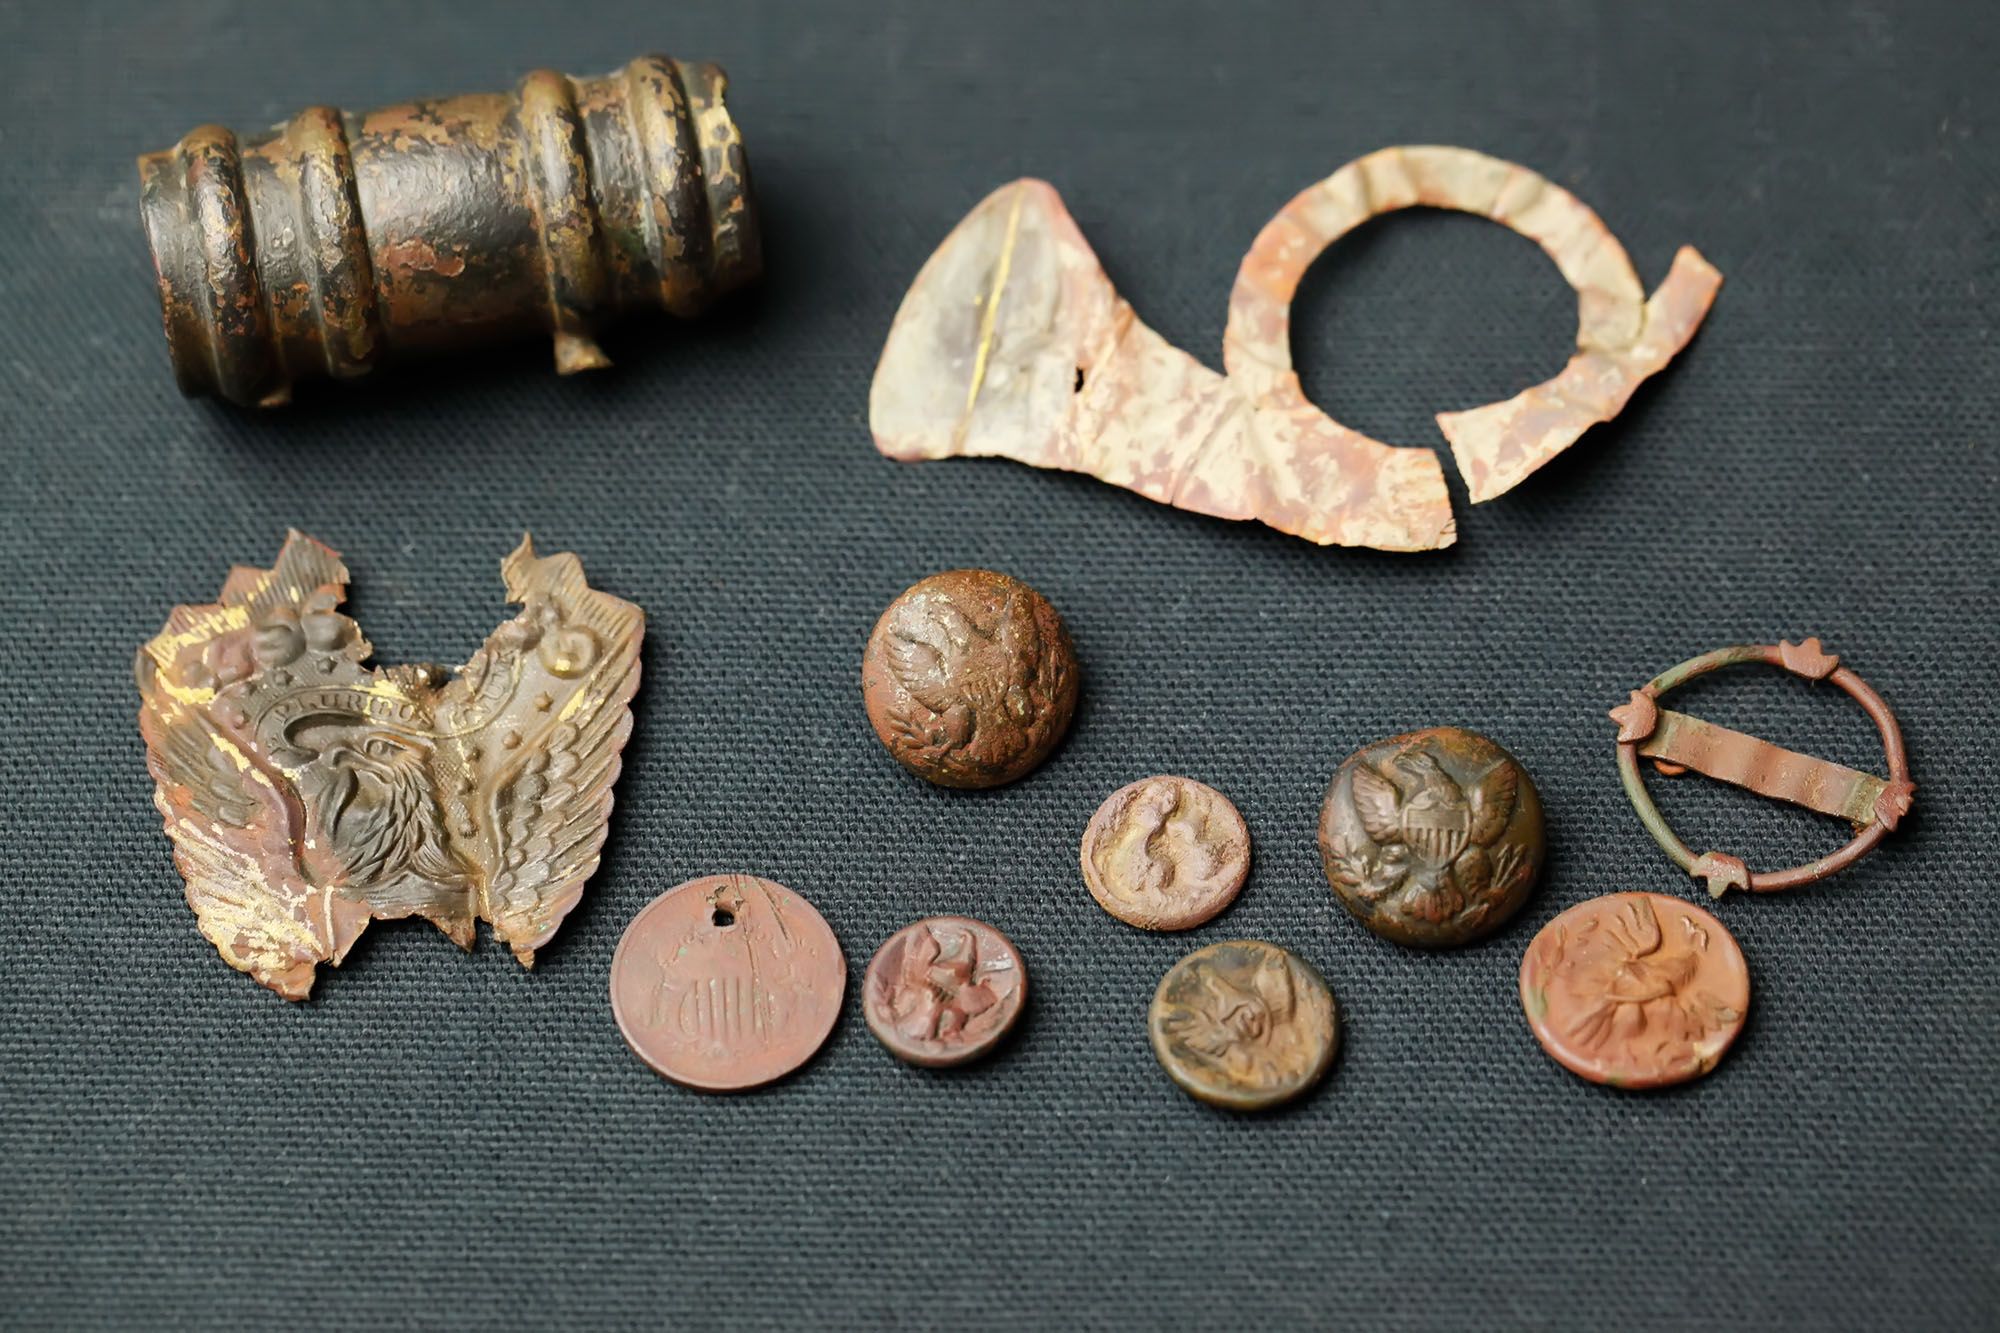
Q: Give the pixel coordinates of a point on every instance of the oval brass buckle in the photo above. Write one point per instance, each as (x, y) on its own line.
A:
(1676, 742)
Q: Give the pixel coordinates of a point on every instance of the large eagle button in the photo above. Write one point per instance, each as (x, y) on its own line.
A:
(1432, 839)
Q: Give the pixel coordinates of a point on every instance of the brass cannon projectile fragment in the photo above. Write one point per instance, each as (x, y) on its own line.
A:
(307, 793)
(337, 240)
(1013, 343)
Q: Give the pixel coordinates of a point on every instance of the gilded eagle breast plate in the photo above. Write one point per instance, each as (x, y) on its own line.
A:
(307, 794)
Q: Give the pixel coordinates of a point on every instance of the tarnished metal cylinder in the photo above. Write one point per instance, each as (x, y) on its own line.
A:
(337, 241)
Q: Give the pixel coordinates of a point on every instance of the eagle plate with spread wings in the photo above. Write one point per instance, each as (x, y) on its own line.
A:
(307, 794)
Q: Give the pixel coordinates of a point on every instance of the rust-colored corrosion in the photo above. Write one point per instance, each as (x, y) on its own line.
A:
(1636, 990)
(1013, 343)
(1166, 853)
(1676, 742)
(337, 240)
(970, 679)
(307, 793)
(944, 991)
(727, 982)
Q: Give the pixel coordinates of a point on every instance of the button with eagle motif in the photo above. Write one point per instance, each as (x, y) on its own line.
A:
(1637, 990)
(727, 982)
(943, 991)
(1165, 853)
(1244, 1025)
(1432, 839)
(969, 678)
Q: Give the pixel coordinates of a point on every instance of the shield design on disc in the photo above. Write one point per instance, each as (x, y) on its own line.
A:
(1437, 833)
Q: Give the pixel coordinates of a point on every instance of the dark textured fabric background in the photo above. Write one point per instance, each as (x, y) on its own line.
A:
(437, 1138)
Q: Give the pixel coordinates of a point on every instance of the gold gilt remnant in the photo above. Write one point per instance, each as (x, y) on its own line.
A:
(307, 794)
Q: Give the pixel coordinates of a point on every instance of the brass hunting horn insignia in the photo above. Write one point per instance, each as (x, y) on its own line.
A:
(1676, 742)
(1012, 343)
(307, 794)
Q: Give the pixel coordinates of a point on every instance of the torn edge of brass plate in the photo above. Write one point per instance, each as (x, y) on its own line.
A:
(1013, 343)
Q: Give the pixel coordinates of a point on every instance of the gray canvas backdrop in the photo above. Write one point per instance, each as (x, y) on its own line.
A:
(439, 1139)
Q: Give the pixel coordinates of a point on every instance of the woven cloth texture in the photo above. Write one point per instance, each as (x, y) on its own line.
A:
(440, 1139)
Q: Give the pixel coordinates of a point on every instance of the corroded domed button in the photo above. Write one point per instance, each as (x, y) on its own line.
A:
(1244, 1025)
(1432, 839)
(969, 678)
(1637, 990)
(1165, 853)
(944, 990)
(727, 982)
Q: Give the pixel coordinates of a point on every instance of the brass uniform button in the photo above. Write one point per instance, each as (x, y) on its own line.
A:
(1165, 853)
(1637, 990)
(944, 990)
(970, 679)
(1244, 1025)
(727, 982)
(1432, 839)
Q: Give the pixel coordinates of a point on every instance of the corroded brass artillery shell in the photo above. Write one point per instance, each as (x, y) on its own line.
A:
(336, 241)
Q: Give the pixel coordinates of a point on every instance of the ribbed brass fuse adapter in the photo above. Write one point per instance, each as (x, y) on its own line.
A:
(337, 241)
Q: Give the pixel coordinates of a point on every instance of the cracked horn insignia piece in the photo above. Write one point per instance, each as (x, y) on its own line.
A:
(1676, 742)
(307, 793)
(1012, 343)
